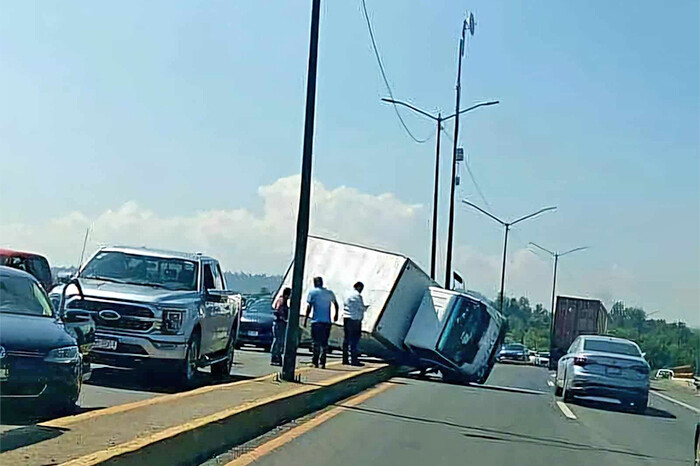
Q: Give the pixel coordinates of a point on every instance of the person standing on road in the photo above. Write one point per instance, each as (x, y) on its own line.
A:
(353, 312)
(320, 300)
(279, 326)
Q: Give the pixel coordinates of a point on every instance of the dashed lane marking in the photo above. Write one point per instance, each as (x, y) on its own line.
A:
(550, 383)
(565, 409)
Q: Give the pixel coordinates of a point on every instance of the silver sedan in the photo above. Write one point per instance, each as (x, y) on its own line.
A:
(602, 366)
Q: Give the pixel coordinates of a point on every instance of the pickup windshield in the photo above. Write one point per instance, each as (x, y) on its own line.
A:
(460, 341)
(20, 295)
(161, 272)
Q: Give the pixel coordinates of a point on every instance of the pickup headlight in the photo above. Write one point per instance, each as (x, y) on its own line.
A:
(172, 320)
(63, 355)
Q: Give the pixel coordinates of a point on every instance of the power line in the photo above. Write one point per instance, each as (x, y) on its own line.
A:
(386, 80)
(471, 175)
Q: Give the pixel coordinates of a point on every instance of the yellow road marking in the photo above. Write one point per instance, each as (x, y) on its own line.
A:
(272, 445)
(136, 444)
(70, 420)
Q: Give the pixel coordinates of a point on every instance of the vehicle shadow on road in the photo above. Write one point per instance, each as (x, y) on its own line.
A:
(27, 414)
(496, 435)
(28, 435)
(152, 381)
(619, 408)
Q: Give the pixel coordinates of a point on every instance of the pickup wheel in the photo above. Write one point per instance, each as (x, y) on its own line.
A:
(222, 369)
(188, 367)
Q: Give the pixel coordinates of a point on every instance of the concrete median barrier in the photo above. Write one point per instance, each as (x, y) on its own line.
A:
(186, 430)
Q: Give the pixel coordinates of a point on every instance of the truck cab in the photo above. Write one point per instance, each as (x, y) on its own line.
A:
(158, 308)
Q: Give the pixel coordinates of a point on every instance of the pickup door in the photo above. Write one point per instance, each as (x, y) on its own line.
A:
(219, 311)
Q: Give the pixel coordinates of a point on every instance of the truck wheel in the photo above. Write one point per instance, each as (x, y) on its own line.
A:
(188, 367)
(222, 369)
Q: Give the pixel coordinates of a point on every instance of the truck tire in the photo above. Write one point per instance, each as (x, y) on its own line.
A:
(187, 368)
(222, 369)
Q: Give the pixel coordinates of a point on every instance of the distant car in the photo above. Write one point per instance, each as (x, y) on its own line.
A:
(41, 354)
(256, 324)
(513, 352)
(664, 374)
(34, 264)
(542, 359)
(604, 367)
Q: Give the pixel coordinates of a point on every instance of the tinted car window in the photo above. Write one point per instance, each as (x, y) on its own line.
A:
(616, 347)
(20, 295)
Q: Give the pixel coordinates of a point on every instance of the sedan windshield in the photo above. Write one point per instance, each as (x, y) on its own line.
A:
(515, 347)
(173, 274)
(20, 295)
(263, 306)
(616, 347)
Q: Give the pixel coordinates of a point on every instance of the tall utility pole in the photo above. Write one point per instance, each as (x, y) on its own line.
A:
(507, 226)
(468, 22)
(290, 341)
(439, 120)
(556, 256)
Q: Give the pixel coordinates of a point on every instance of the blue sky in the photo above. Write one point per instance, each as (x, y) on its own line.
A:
(190, 107)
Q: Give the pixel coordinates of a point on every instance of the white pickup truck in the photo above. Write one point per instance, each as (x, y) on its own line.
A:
(166, 310)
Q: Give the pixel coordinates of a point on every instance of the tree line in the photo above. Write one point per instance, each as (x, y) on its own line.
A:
(666, 344)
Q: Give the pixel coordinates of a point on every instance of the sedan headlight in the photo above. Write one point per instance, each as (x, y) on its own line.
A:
(63, 355)
(172, 320)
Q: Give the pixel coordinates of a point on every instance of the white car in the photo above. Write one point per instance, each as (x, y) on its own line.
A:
(542, 359)
(604, 367)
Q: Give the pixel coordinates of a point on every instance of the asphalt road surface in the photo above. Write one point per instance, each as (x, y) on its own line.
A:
(111, 386)
(513, 420)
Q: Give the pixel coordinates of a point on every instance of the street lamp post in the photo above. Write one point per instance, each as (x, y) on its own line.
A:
(439, 119)
(556, 256)
(507, 226)
(302, 233)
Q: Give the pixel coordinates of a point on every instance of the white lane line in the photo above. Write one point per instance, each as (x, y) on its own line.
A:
(679, 403)
(550, 383)
(565, 409)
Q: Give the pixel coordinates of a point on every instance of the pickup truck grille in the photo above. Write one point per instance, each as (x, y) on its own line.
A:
(132, 317)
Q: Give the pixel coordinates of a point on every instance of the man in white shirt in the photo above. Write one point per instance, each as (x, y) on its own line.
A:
(353, 312)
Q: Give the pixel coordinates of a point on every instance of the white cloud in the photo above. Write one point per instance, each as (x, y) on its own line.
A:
(263, 242)
(242, 239)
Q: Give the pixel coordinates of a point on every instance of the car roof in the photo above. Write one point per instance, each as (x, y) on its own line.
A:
(164, 253)
(12, 252)
(6, 272)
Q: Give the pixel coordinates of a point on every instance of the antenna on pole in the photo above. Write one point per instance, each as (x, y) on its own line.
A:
(82, 253)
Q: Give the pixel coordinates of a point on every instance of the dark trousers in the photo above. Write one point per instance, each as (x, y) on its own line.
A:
(320, 332)
(353, 330)
(279, 330)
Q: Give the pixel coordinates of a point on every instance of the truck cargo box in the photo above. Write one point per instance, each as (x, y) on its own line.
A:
(394, 288)
(573, 317)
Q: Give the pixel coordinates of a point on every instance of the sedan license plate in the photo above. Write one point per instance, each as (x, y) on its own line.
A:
(103, 343)
(614, 371)
(252, 333)
(4, 373)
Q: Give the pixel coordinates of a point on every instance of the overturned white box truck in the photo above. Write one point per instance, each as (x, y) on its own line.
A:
(409, 319)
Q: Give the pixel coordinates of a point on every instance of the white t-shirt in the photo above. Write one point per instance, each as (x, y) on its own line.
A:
(354, 306)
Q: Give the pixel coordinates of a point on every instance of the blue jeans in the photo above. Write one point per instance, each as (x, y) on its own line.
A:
(279, 330)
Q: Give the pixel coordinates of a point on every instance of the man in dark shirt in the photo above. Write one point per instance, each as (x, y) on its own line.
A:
(279, 326)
